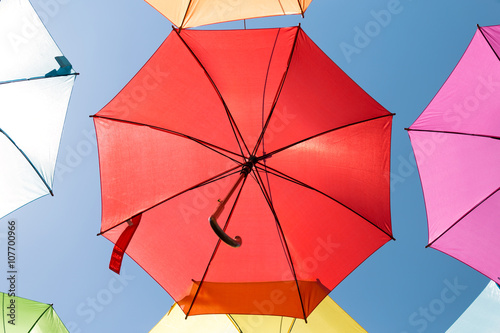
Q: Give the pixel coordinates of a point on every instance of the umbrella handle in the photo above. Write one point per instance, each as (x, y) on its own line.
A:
(236, 242)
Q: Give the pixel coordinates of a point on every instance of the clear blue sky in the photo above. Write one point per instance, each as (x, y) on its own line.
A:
(401, 60)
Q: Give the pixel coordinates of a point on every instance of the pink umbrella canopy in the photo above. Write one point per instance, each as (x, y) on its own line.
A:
(455, 141)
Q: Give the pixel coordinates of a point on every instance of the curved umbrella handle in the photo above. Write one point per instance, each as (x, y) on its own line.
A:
(236, 242)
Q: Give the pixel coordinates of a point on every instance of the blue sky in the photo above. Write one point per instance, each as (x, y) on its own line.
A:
(400, 52)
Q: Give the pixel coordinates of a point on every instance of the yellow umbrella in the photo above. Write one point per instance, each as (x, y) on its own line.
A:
(327, 317)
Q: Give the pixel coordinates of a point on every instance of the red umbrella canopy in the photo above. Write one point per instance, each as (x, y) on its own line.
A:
(260, 131)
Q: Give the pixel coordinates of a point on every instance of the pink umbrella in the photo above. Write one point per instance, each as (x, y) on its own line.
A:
(456, 144)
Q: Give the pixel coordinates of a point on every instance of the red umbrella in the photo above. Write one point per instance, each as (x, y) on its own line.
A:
(261, 132)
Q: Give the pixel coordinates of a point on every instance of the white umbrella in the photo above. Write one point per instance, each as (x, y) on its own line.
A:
(482, 314)
(35, 87)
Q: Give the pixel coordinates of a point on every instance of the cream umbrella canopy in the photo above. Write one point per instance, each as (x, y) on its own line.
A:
(327, 317)
(193, 13)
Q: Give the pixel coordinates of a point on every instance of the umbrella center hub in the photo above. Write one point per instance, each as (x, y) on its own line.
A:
(250, 162)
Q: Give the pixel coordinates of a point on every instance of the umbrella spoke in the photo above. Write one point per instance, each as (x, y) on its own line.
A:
(302, 10)
(283, 240)
(278, 92)
(185, 15)
(236, 131)
(39, 317)
(264, 98)
(463, 216)
(220, 239)
(292, 324)
(234, 323)
(265, 156)
(208, 145)
(268, 198)
(265, 84)
(215, 178)
(29, 161)
(298, 182)
(487, 41)
(203, 277)
(458, 133)
(37, 78)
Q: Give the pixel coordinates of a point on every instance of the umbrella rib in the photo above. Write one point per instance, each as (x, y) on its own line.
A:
(203, 278)
(463, 216)
(37, 78)
(298, 182)
(282, 9)
(301, 9)
(185, 14)
(282, 238)
(292, 324)
(215, 178)
(263, 157)
(29, 161)
(450, 132)
(201, 142)
(216, 248)
(264, 98)
(234, 127)
(235, 323)
(278, 92)
(269, 200)
(38, 319)
(487, 41)
(266, 79)
(3, 317)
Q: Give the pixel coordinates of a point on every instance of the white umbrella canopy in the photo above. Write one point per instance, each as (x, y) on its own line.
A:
(482, 314)
(36, 81)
